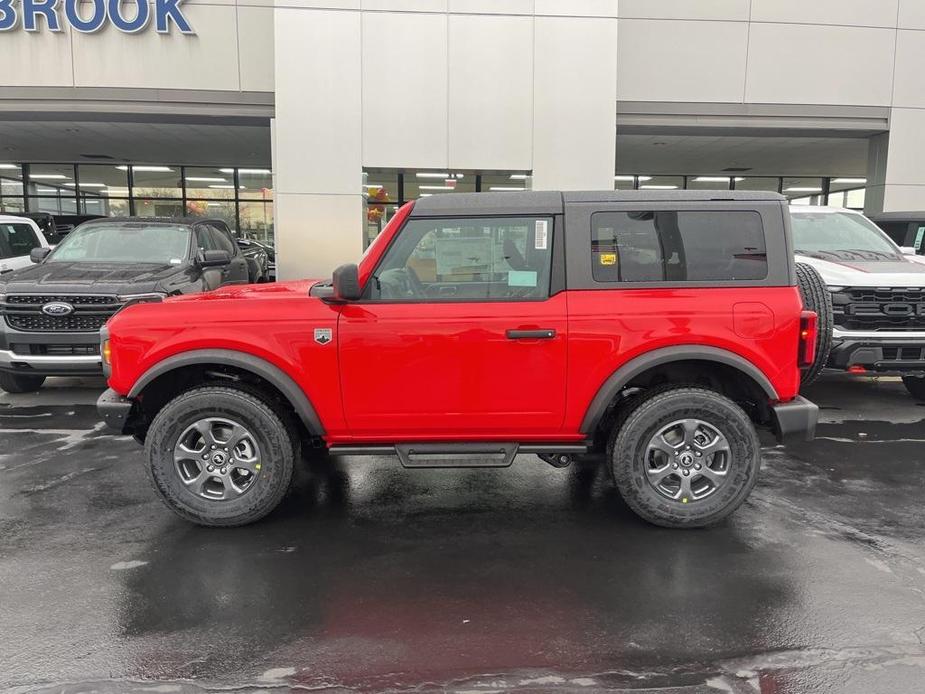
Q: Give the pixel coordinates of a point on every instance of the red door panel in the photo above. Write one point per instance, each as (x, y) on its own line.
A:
(415, 371)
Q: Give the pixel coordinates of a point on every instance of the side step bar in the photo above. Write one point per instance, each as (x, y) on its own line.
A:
(465, 455)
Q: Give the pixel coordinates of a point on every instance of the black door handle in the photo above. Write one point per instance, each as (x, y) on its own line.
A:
(545, 334)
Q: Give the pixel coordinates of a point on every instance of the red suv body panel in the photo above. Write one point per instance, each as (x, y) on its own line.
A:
(447, 371)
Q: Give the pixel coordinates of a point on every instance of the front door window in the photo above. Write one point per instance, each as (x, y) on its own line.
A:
(477, 259)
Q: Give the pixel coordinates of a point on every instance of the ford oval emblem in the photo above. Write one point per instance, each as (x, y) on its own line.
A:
(57, 308)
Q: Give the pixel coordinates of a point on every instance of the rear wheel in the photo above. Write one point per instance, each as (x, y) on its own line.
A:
(18, 383)
(916, 386)
(685, 457)
(220, 456)
(816, 298)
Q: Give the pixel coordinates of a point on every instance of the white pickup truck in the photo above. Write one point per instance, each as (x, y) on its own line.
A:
(871, 293)
(18, 236)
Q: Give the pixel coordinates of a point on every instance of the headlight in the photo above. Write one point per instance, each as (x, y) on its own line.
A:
(835, 290)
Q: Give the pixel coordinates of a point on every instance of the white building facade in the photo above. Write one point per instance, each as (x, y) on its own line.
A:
(337, 96)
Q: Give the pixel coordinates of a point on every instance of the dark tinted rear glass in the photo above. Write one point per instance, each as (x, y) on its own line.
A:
(16, 239)
(677, 246)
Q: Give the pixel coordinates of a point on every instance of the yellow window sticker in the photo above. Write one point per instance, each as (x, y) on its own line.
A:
(608, 258)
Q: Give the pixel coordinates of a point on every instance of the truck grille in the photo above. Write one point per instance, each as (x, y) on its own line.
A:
(90, 350)
(885, 309)
(91, 311)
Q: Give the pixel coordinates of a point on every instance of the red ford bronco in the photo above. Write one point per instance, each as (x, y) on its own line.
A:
(664, 328)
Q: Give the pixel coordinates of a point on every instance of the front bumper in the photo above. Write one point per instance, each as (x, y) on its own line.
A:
(882, 352)
(45, 365)
(114, 409)
(49, 354)
(796, 420)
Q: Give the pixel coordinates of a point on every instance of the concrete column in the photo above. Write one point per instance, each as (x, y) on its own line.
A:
(575, 102)
(895, 175)
(317, 150)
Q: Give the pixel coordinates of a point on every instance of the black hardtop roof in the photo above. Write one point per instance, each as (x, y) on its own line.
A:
(897, 216)
(552, 202)
(182, 221)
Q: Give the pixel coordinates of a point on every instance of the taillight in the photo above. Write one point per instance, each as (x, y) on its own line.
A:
(808, 334)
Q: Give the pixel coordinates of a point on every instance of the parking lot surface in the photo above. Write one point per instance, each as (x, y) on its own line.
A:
(371, 577)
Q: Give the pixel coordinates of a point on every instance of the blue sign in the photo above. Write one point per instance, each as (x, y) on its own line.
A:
(54, 13)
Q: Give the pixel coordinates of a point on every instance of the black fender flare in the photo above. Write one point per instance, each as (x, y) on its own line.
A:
(242, 360)
(623, 375)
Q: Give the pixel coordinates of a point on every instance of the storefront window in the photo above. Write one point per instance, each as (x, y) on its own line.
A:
(105, 207)
(11, 188)
(53, 204)
(102, 181)
(209, 183)
(661, 182)
(803, 191)
(152, 181)
(51, 179)
(10, 205)
(253, 184)
(256, 221)
(506, 182)
(424, 183)
(224, 210)
(626, 181)
(764, 183)
(709, 182)
(847, 191)
(154, 207)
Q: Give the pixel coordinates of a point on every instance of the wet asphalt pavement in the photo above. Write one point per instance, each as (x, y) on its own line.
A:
(371, 577)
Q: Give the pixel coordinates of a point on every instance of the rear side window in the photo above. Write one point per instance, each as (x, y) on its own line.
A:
(16, 240)
(677, 246)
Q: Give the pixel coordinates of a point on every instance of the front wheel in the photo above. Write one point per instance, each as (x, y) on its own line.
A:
(685, 457)
(20, 383)
(916, 386)
(220, 456)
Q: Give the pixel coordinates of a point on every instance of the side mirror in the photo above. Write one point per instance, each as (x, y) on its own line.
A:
(907, 250)
(37, 255)
(214, 258)
(346, 283)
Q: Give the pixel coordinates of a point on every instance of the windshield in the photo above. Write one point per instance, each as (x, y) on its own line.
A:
(129, 242)
(840, 235)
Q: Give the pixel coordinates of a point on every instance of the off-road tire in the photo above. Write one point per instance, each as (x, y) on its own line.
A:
(275, 435)
(816, 298)
(916, 386)
(19, 383)
(655, 410)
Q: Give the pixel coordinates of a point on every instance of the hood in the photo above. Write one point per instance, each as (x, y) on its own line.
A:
(864, 273)
(297, 289)
(88, 277)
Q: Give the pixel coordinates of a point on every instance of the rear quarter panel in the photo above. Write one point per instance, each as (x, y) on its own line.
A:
(608, 328)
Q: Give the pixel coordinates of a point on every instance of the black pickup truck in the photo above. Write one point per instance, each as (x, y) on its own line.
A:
(52, 312)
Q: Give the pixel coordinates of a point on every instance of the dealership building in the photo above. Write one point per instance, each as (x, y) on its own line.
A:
(307, 122)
